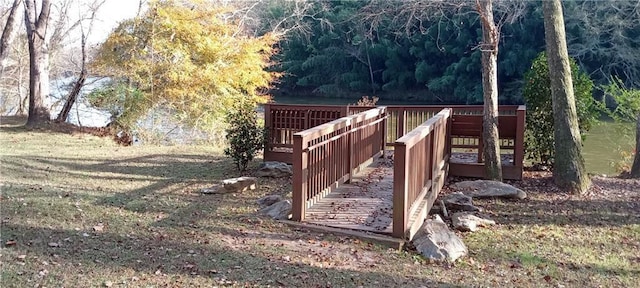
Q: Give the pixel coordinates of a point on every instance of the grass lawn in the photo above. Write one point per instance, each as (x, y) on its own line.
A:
(81, 211)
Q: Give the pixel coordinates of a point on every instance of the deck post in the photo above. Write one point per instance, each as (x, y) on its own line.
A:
(300, 171)
(384, 132)
(400, 186)
(268, 126)
(518, 151)
(350, 152)
(401, 123)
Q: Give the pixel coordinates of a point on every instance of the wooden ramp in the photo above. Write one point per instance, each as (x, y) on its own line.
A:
(365, 204)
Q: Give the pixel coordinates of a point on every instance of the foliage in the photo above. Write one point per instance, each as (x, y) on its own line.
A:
(125, 103)
(367, 101)
(537, 96)
(439, 57)
(627, 110)
(627, 101)
(188, 57)
(244, 135)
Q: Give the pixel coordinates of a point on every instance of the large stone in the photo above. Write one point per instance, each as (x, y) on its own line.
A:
(489, 189)
(280, 210)
(215, 189)
(464, 221)
(274, 169)
(437, 243)
(239, 184)
(459, 202)
(269, 200)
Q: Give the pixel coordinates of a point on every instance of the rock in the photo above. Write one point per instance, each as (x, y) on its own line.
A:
(279, 210)
(459, 202)
(269, 200)
(239, 184)
(489, 189)
(232, 185)
(215, 189)
(464, 221)
(436, 242)
(274, 169)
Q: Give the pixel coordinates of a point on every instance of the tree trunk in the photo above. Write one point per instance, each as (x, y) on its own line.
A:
(38, 61)
(569, 171)
(73, 95)
(490, 137)
(7, 35)
(635, 168)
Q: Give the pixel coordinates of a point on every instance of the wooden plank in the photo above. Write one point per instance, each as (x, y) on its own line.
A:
(368, 237)
(299, 183)
(400, 183)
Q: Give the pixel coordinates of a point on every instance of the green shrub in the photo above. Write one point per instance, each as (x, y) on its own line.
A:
(537, 95)
(244, 136)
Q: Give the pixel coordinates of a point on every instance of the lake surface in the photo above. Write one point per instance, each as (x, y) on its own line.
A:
(604, 144)
(601, 149)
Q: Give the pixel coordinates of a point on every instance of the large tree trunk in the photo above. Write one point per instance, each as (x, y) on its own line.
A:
(635, 168)
(490, 137)
(569, 171)
(8, 34)
(36, 24)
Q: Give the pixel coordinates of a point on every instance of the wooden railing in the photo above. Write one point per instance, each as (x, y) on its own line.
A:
(420, 168)
(328, 155)
(466, 134)
(283, 121)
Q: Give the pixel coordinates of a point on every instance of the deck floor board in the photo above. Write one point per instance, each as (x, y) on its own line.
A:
(364, 204)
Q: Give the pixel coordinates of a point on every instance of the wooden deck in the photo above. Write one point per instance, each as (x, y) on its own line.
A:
(365, 204)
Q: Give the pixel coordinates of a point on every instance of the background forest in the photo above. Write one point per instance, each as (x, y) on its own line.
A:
(355, 48)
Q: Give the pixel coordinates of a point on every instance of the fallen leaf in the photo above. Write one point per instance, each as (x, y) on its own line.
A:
(21, 257)
(107, 284)
(98, 228)
(53, 244)
(10, 243)
(515, 265)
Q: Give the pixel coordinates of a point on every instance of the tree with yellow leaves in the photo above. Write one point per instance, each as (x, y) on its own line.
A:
(188, 56)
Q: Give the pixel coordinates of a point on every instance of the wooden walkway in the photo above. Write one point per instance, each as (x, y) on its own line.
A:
(365, 204)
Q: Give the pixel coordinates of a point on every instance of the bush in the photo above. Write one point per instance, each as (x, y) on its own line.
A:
(244, 136)
(537, 95)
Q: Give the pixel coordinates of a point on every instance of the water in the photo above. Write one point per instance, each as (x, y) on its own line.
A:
(605, 144)
(602, 149)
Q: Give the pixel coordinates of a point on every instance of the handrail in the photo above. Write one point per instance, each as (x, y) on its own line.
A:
(329, 154)
(420, 166)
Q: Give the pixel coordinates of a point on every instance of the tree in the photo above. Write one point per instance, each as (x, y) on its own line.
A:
(489, 46)
(82, 76)
(38, 40)
(187, 57)
(8, 34)
(604, 37)
(569, 172)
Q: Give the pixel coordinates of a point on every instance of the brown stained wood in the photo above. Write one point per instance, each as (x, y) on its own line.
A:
(400, 183)
(386, 241)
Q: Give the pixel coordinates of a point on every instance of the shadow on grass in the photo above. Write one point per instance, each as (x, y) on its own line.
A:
(166, 257)
(581, 212)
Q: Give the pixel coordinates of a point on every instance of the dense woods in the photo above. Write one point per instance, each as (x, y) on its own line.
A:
(438, 59)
